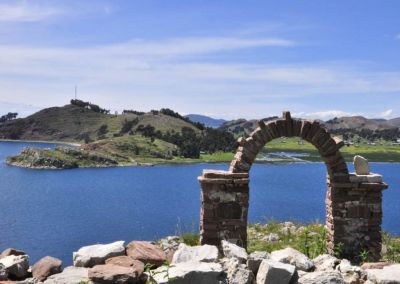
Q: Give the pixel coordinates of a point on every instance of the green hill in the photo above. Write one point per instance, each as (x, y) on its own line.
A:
(77, 124)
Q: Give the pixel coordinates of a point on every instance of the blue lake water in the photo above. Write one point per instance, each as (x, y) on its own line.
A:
(56, 212)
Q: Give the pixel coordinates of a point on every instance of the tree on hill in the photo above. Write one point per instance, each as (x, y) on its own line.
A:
(90, 106)
(9, 116)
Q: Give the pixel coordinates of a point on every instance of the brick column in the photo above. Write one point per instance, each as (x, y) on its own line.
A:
(354, 216)
(225, 203)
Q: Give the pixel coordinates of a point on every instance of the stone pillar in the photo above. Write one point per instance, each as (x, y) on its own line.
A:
(354, 216)
(224, 207)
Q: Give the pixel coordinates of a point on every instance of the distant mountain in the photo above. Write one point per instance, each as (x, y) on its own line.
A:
(206, 120)
(346, 126)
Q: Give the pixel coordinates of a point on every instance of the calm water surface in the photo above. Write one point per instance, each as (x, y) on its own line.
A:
(56, 212)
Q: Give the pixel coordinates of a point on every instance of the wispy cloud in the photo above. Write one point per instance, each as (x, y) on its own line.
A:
(386, 114)
(397, 36)
(23, 11)
(176, 73)
(324, 115)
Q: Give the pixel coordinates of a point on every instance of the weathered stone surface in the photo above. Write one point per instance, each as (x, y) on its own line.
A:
(127, 261)
(111, 273)
(254, 260)
(387, 275)
(190, 272)
(205, 253)
(232, 250)
(322, 277)
(325, 262)
(170, 245)
(16, 265)
(3, 272)
(372, 178)
(70, 275)
(146, 252)
(351, 274)
(237, 273)
(271, 271)
(11, 251)
(97, 254)
(374, 265)
(45, 267)
(272, 237)
(361, 165)
(294, 257)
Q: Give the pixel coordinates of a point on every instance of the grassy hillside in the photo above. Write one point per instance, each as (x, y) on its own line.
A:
(118, 151)
(76, 124)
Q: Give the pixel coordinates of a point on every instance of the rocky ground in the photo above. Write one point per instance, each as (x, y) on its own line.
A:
(172, 261)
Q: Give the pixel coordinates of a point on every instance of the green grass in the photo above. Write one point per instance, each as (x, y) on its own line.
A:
(382, 152)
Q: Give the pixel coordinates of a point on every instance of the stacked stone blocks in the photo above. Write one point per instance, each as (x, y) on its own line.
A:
(353, 206)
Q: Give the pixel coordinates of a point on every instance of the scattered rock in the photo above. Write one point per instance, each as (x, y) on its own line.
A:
(11, 251)
(374, 265)
(254, 260)
(205, 253)
(322, 277)
(294, 257)
(70, 275)
(112, 273)
(3, 272)
(146, 252)
(325, 262)
(272, 237)
(16, 265)
(387, 275)
(351, 274)
(232, 250)
(190, 272)
(45, 267)
(237, 273)
(271, 271)
(361, 165)
(97, 254)
(127, 261)
(170, 245)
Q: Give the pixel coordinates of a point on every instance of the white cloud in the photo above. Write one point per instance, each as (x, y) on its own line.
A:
(386, 114)
(324, 115)
(22, 11)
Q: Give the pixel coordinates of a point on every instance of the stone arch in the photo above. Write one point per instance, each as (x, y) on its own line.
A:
(353, 203)
(310, 131)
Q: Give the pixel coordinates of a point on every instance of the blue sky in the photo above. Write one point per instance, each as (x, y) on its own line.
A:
(228, 59)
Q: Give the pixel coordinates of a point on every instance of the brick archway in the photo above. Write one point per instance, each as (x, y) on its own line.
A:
(353, 203)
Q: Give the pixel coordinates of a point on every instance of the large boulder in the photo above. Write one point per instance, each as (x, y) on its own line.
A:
(232, 250)
(112, 273)
(90, 256)
(237, 273)
(254, 260)
(16, 265)
(127, 261)
(146, 252)
(387, 275)
(205, 253)
(45, 267)
(322, 277)
(11, 251)
(294, 257)
(325, 262)
(70, 275)
(271, 271)
(189, 272)
(374, 265)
